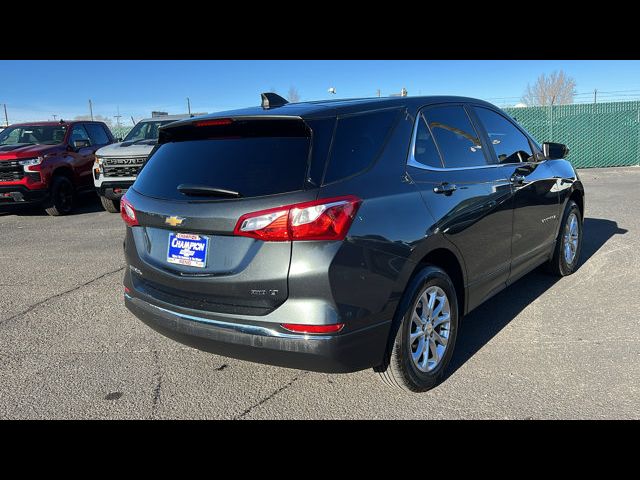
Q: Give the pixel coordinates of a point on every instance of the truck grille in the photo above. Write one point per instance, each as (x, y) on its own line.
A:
(10, 171)
(122, 167)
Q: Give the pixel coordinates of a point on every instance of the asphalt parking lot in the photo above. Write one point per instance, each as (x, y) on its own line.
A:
(543, 348)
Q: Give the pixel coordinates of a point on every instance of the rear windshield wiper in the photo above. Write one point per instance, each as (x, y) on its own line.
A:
(206, 191)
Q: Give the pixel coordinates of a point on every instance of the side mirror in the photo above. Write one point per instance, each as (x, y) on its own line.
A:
(553, 151)
(78, 144)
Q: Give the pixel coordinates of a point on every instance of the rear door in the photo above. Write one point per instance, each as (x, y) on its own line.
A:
(469, 198)
(266, 164)
(536, 196)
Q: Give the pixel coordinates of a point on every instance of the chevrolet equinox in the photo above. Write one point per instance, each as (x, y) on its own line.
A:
(341, 235)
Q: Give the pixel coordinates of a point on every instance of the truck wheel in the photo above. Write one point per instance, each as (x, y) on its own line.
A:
(109, 205)
(424, 333)
(61, 198)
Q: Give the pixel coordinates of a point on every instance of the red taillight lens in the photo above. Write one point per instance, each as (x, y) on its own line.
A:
(326, 219)
(294, 327)
(214, 122)
(127, 212)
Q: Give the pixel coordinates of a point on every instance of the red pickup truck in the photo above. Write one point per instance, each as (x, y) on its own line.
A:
(49, 162)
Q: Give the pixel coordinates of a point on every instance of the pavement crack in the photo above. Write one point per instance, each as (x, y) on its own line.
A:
(269, 397)
(158, 384)
(57, 295)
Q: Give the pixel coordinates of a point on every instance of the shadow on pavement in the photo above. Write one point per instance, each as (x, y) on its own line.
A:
(486, 321)
(85, 203)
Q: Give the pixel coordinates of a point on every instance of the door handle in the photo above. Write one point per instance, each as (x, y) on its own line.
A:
(446, 188)
(517, 178)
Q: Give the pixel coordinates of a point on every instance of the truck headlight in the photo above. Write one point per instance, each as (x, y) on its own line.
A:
(30, 162)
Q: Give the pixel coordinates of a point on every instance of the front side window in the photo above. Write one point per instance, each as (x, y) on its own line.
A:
(79, 133)
(457, 139)
(509, 143)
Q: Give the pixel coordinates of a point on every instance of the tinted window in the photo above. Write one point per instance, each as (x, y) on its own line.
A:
(97, 134)
(79, 133)
(357, 143)
(251, 166)
(509, 143)
(321, 142)
(425, 151)
(455, 136)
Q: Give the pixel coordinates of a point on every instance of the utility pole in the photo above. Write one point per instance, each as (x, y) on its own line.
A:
(117, 117)
(6, 117)
(54, 117)
(188, 106)
(378, 92)
(595, 96)
(91, 110)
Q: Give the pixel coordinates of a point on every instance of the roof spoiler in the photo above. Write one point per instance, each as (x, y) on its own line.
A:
(272, 100)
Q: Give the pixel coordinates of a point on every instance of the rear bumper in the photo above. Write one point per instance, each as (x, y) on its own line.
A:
(18, 194)
(114, 190)
(264, 342)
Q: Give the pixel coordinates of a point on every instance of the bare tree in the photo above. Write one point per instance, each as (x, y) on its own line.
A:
(556, 89)
(293, 96)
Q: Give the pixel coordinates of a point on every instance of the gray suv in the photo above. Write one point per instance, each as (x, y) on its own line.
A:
(342, 235)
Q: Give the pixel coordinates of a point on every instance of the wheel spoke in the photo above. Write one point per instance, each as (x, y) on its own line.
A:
(418, 333)
(434, 352)
(438, 309)
(419, 351)
(440, 339)
(432, 301)
(417, 319)
(441, 320)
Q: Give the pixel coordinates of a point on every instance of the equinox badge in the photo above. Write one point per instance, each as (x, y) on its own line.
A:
(174, 221)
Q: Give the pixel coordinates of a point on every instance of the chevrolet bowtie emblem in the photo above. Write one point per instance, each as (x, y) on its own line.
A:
(174, 221)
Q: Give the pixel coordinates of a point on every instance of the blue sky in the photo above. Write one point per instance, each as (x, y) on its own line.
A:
(35, 90)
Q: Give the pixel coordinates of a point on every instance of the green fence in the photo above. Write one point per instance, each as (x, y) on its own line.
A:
(120, 132)
(597, 134)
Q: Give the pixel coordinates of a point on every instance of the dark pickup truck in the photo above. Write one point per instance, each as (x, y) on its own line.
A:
(48, 163)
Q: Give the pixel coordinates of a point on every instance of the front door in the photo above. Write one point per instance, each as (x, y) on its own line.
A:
(535, 193)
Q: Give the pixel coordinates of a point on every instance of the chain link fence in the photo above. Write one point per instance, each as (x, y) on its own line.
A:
(120, 132)
(597, 134)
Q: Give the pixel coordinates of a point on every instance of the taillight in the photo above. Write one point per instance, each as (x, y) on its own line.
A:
(214, 122)
(326, 219)
(128, 213)
(298, 328)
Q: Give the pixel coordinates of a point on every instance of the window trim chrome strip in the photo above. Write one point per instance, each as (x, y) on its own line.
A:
(412, 162)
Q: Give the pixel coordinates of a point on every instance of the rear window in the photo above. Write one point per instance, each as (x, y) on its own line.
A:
(357, 142)
(252, 166)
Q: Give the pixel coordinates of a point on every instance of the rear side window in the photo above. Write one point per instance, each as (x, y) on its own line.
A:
(509, 143)
(97, 134)
(424, 150)
(252, 166)
(455, 136)
(357, 142)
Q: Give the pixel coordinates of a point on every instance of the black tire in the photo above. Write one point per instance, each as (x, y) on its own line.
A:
(61, 197)
(558, 265)
(109, 205)
(398, 369)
